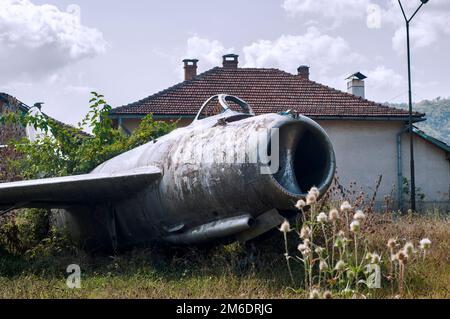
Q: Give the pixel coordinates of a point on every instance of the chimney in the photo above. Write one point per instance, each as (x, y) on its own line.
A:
(303, 71)
(355, 84)
(230, 61)
(190, 69)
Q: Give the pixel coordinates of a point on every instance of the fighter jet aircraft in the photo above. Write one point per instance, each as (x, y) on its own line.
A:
(228, 176)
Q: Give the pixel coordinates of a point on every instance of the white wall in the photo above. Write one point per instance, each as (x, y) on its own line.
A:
(132, 124)
(366, 149)
(432, 170)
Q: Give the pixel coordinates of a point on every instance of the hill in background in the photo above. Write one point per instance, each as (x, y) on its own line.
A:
(437, 114)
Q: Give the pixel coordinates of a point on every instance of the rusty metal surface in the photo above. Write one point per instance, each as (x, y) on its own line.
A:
(208, 175)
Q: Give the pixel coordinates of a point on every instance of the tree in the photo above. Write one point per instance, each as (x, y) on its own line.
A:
(65, 151)
(7, 133)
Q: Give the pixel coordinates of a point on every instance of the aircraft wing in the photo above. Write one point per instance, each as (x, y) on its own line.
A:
(61, 192)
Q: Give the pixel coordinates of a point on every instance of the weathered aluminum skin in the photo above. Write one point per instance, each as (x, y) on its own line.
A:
(217, 183)
(194, 193)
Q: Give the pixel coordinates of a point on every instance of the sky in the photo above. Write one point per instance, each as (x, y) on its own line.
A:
(58, 51)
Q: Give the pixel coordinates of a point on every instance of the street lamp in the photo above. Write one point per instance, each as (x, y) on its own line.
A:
(411, 146)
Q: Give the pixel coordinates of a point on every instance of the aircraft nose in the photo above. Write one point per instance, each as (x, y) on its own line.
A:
(306, 158)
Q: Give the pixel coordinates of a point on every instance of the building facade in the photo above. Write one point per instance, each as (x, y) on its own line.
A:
(10, 104)
(8, 132)
(369, 138)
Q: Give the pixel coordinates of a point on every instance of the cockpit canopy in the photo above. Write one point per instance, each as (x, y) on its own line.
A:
(223, 106)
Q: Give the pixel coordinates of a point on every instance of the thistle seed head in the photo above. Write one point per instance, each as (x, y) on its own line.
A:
(345, 207)
(305, 232)
(392, 243)
(300, 204)
(402, 257)
(322, 218)
(355, 226)
(314, 191)
(327, 295)
(409, 248)
(333, 215)
(285, 227)
(311, 199)
(359, 215)
(340, 265)
(425, 244)
(314, 294)
(323, 265)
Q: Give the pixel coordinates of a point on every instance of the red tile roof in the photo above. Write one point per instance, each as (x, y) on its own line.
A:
(6, 98)
(266, 90)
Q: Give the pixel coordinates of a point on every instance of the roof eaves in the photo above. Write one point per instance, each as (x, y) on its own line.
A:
(25, 108)
(360, 98)
(366, 118)
(442, 145)
(126, 109)
(10, 99)
(156, 116)
(315, 117)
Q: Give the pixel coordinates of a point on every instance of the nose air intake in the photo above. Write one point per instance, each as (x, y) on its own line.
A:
(306, 157)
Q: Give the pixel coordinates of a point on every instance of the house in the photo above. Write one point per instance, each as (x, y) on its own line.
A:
(11, 104)
(8, 132)
(369, 138)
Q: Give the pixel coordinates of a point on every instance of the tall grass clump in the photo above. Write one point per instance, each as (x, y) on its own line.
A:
(340, 258)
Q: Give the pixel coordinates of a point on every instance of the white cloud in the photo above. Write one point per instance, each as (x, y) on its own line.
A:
(383, 77)
(337, 10)
(429, 26)
(382, 83)
(427, 30)
(37, 40)
(209, 52)
(314, 48)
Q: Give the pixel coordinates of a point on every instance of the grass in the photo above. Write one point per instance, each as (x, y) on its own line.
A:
(257, 270)
(429, 278)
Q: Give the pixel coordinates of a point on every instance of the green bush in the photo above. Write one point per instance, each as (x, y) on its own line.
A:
(65, 151)
(23, 230)
(68, 150)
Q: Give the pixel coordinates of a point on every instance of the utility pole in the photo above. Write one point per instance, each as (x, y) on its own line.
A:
(411, 136)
